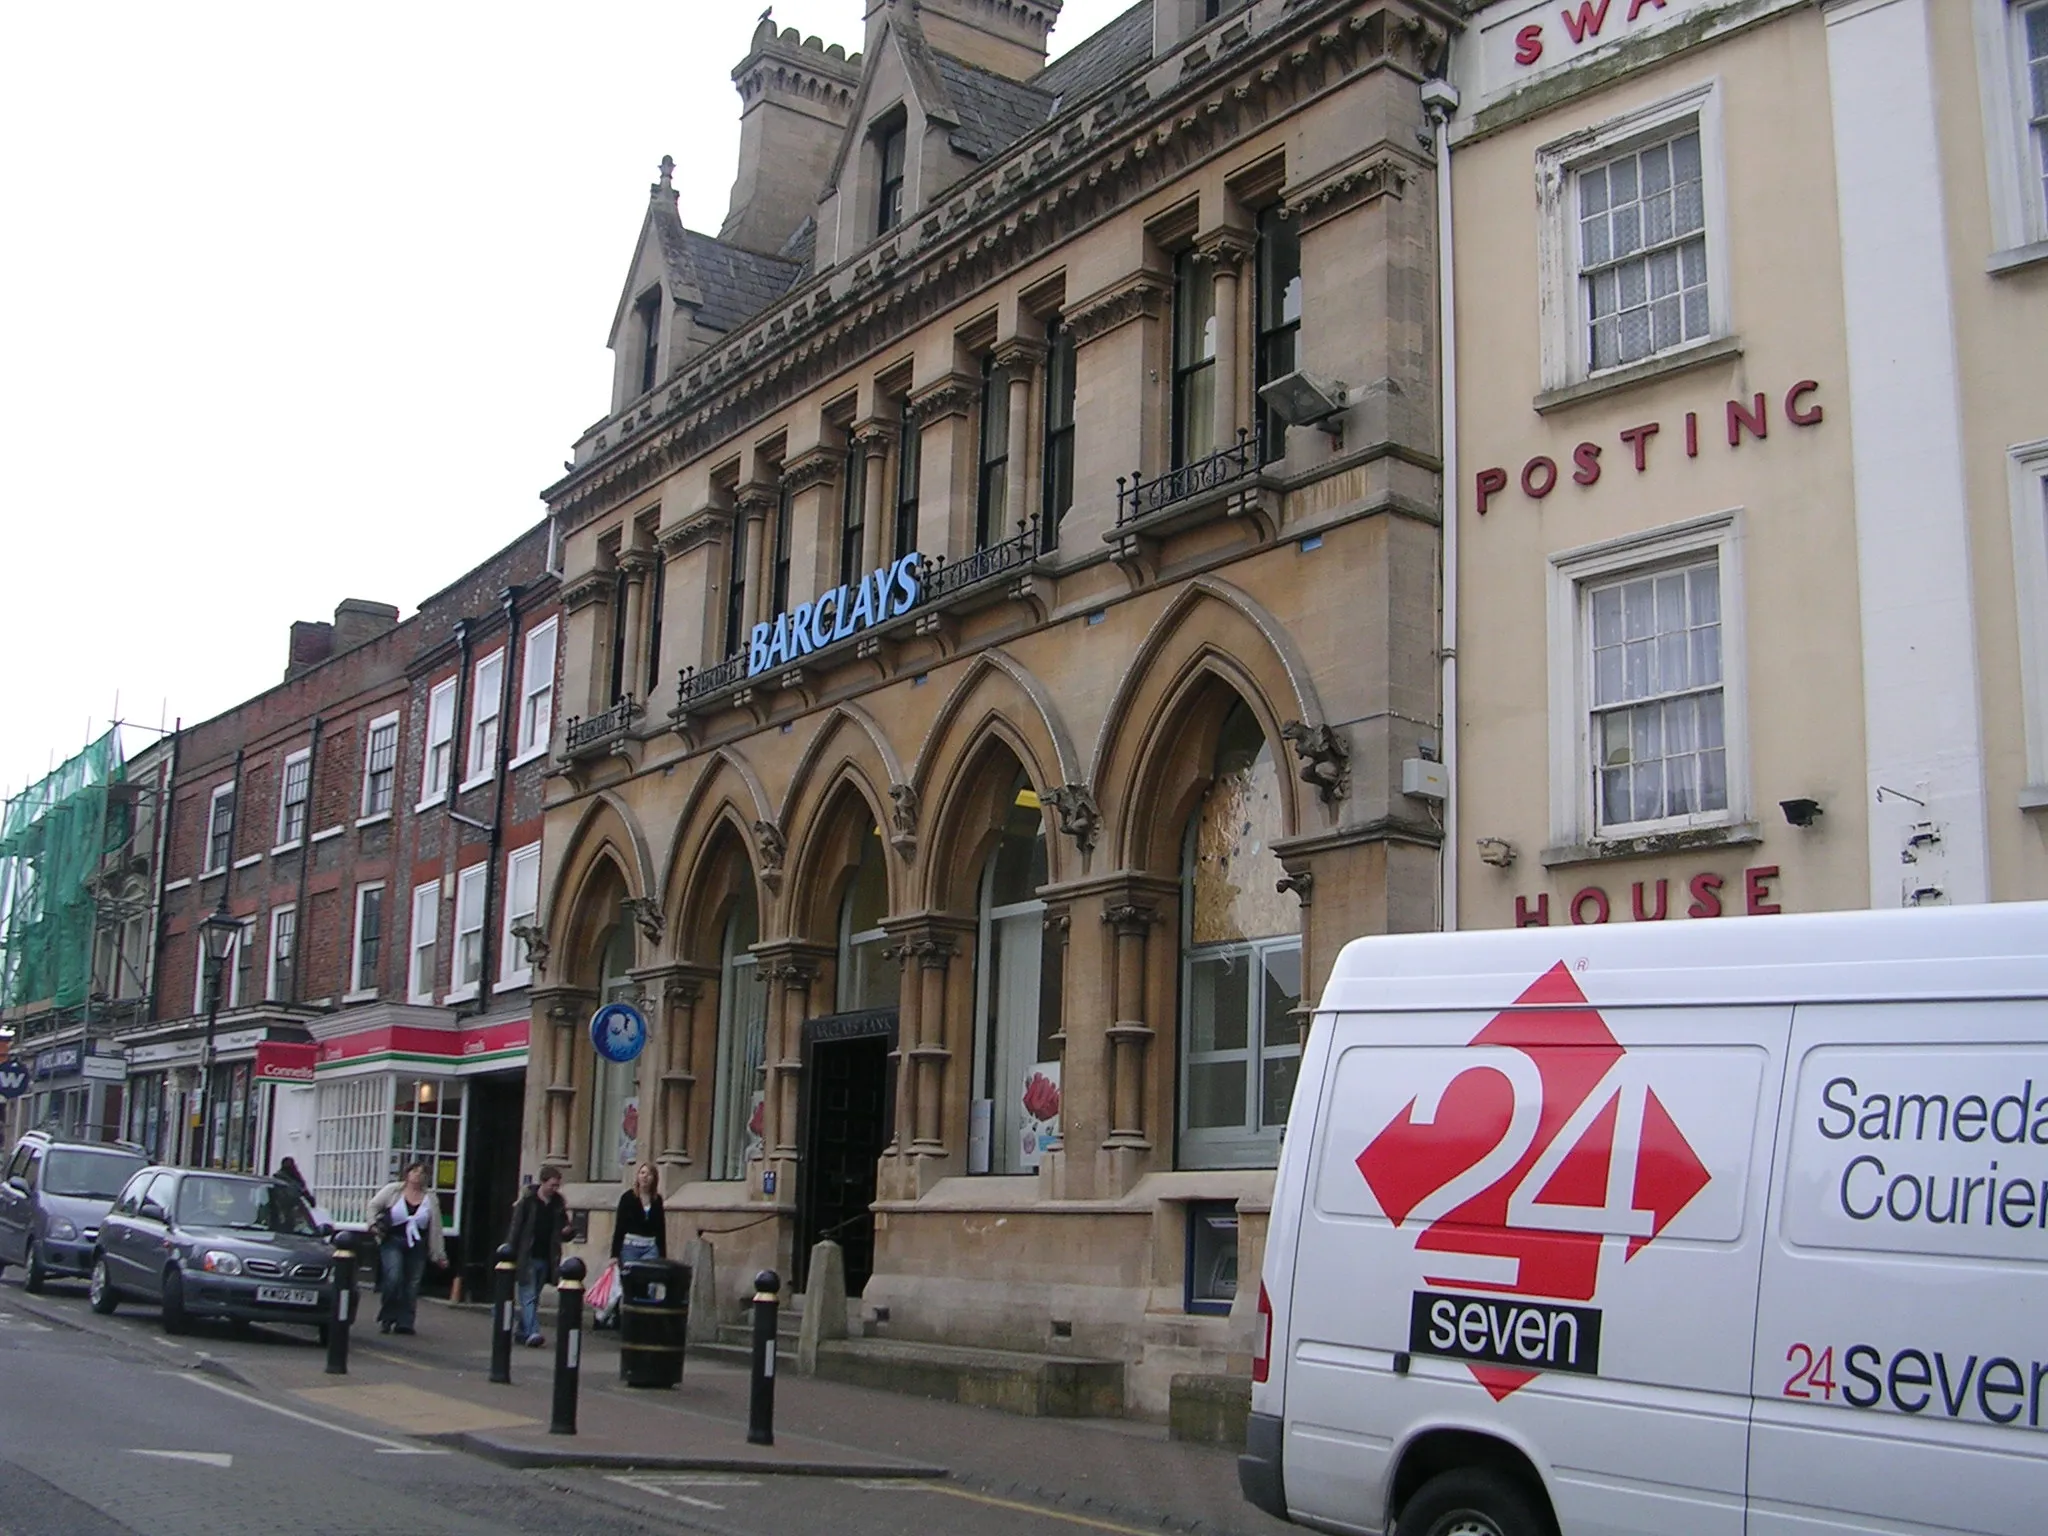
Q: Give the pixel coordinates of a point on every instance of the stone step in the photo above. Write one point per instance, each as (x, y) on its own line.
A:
(1040, 1386)
(1208, 1408)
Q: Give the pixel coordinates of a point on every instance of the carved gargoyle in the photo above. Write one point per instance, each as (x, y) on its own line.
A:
(535, 938)
(903, 807)
(1079, 816)
(1325, 760)
(646, 913)
(769, 844)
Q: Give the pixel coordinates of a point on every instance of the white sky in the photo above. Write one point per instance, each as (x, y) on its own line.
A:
(300, 303)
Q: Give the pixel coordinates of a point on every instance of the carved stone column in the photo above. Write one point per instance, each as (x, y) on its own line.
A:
(752, 504)
(635, 563)
(1130, 1036)
(792, 970)
(872, 439)
(552, 1053)
(674, 991)
(933, 954)
(1019, 358)
(1227, 251)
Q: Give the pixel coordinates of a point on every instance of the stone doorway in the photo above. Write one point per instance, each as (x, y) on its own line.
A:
(846, 1121)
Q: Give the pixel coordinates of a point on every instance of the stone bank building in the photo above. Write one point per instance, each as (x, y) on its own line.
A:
(989, 714)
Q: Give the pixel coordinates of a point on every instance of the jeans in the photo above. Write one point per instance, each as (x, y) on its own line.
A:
(533, 1274)
(400, 1270)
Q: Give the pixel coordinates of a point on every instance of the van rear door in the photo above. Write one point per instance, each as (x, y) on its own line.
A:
(1901, 1371)
(1543, 1225)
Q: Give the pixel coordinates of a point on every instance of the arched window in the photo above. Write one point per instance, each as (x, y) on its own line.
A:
(742, 1046)
(1241, 962)
(615, 1085)
(1014, 1114)
(868, 978)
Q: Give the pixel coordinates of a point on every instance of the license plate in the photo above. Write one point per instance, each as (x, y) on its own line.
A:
(285, 1295)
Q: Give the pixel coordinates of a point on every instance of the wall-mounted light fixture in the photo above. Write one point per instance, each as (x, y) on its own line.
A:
(1497, 851)
(1803, 812)
(1302, 400)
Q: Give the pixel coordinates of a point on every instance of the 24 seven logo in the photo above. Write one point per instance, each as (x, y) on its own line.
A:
(1515, 1172)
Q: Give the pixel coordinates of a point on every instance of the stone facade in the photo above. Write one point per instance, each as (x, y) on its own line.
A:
(1086, 753)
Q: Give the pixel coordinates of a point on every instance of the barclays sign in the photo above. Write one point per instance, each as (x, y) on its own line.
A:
(832, 616)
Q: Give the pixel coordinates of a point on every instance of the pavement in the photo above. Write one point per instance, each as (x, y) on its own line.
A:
(848, 1459)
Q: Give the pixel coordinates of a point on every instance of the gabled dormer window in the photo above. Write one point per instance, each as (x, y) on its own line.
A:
(647, 326)
(890, 142)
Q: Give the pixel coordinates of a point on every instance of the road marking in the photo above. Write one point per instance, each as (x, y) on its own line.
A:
(17, 1321)
(410, 1410)
(666, 1486)
(384, 1447)
(204, 1458)
(1036, 1509)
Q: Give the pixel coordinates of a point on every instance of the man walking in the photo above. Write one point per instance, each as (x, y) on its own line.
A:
(540, 1222)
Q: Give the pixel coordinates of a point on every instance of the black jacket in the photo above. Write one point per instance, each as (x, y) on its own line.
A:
(538, 1227)
(636, 1221)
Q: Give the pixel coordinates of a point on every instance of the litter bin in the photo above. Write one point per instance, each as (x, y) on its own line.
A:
(654, 1318)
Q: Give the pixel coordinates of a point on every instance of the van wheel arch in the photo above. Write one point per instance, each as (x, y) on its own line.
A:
(1438, 1451)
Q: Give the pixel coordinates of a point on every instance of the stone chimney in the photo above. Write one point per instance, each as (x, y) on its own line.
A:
(796, 96)
(1004, 37)
(357, 622)
(312, 643)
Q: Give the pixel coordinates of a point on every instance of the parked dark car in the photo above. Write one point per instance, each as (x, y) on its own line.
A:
(214, 1245)
(54, 1193)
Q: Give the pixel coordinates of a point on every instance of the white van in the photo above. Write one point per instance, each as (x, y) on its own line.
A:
(1732, 1228)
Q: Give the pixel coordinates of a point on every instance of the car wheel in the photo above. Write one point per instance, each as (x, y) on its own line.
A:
(35, 1276)
(100, 1289)
(1471, 1502)
(175, 1318)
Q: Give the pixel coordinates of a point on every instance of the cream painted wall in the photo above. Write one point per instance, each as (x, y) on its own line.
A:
(2002, 339)
(1793, 489)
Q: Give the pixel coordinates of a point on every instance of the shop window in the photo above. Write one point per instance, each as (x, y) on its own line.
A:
(352, 1160)
(994, 483)
(737, 1110)
(868, 978)
(1647, 726)
(1241, 969)
(1013, 1115)
(439, 760)
(1211, 1256)
(1279, 307)
(1057, 460)
(1631, 244)
(614, 1085)
(1194, 360)
(426, 1127)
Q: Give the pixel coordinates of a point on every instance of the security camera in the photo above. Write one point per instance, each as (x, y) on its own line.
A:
(1439, 97)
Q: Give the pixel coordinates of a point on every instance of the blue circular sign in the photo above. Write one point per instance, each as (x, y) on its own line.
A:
(13, 1080)
(619, 1032)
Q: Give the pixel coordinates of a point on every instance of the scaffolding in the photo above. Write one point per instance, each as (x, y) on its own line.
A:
(54, 840)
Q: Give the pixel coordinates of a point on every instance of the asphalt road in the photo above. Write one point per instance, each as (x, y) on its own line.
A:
(108, 1428)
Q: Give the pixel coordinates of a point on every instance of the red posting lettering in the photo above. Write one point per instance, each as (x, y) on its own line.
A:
(1587, 457)
(1663, 895)
(1635, 7)
(1548, 467)
(1638, 438)
(1592, 896)
(1591, 17)
(1706, 896)
(1538, 918)
(1753, 882)
(1802, 415)
(1489, 484)
(1740, 416)
(1529, 45)
(1692, 434)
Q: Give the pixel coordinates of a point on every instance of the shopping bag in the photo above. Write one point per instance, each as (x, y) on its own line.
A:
(602, 1295)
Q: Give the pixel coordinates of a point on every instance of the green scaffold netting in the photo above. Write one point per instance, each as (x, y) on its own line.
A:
(52, 837)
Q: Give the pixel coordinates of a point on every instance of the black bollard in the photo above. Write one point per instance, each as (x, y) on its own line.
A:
(761, 1401)
(568, 1348)
(344, 1304)
(502, 1306)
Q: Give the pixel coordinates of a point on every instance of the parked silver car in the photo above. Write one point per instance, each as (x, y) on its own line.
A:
(54, 1193)
(221, 1245)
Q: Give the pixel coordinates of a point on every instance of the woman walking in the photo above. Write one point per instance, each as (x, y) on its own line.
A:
(407, 1219)
(641, 1231)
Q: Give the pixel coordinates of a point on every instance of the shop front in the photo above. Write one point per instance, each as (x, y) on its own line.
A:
(393, 1085)
(181, 1111)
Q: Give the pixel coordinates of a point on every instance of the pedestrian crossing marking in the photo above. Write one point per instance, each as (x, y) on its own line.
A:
(411, 1410)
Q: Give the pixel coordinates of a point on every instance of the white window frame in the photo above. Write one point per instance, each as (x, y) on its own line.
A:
(423, 933)
(288, 910)
(219, 793)
(1574, 816)
(285, 841)
(361, 988)
(2027, 466)
(535, 733)
(2019, 207)
(484, 704)
(440, 735)
(231, 970)
(510, 975)
(471, 886)
(1562, 322)
(366, 816)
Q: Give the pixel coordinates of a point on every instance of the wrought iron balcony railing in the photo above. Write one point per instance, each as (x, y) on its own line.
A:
(945, 578)
(701, 682)
(584, 732)
(1137, 497)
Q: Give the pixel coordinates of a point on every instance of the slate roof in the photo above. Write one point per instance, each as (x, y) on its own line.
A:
(993, 112)
(736, 284)
(1110, 53)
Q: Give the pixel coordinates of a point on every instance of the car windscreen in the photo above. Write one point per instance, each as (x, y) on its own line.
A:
(243, 1205)
(88, 1175)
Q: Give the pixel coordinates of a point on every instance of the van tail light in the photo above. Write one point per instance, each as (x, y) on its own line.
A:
(1262, 1352)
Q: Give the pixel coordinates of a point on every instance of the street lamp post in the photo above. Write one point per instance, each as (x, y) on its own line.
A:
(219, 931)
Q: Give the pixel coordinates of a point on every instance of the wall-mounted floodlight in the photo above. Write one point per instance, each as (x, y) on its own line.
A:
(1302, 400)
